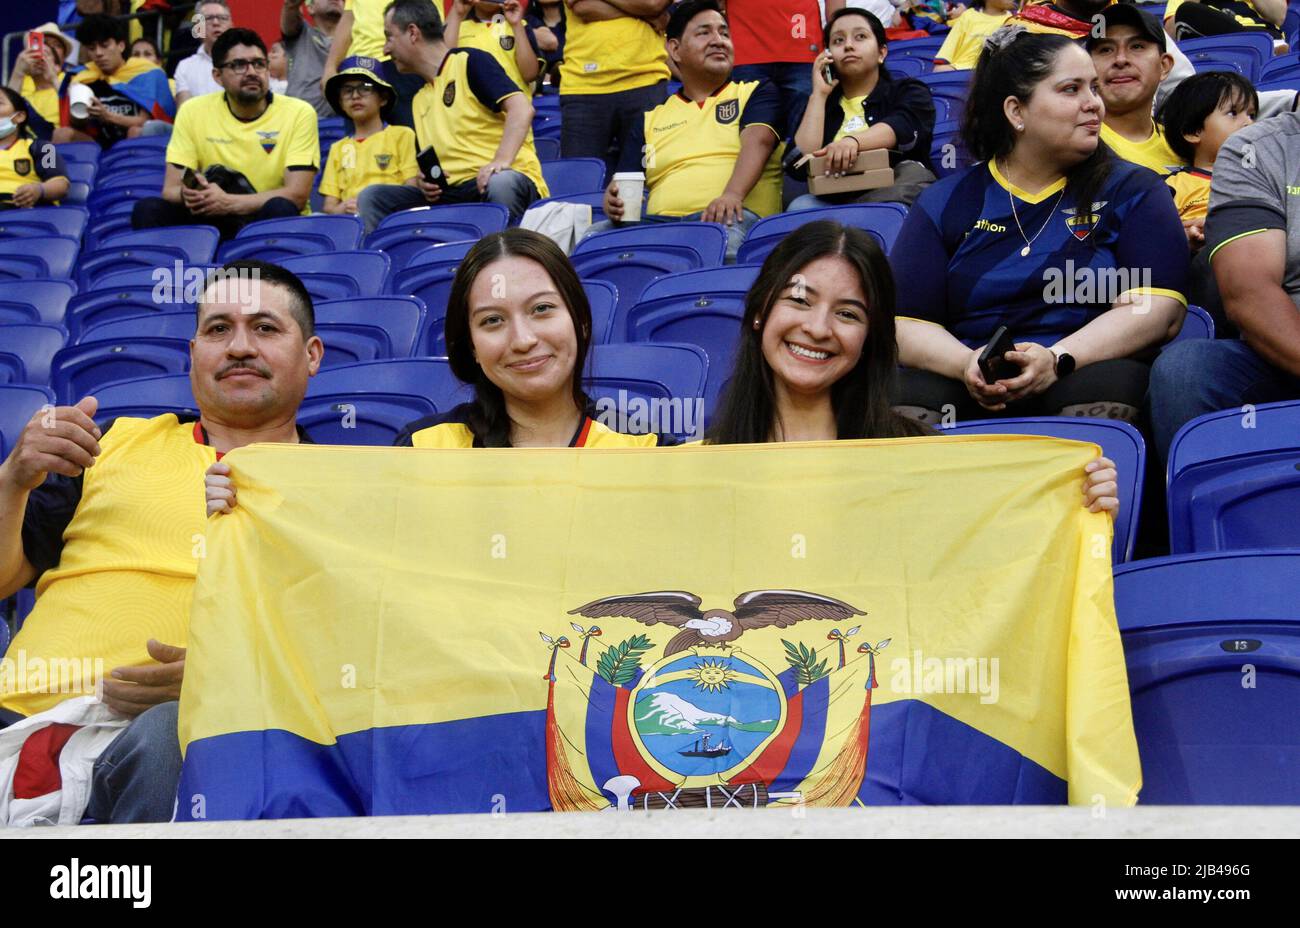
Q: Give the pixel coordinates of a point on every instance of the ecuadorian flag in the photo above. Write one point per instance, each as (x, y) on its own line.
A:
(138, 79)
(381, 631)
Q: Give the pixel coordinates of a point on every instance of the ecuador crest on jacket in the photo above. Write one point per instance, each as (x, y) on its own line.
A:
(460, 630)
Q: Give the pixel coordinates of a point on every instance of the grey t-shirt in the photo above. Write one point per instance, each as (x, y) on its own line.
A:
(1251, 192)
(307, 52)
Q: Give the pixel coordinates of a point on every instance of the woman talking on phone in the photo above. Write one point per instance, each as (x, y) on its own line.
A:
(856, 106)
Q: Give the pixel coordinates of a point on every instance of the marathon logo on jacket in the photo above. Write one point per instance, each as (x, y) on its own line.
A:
(103, 881)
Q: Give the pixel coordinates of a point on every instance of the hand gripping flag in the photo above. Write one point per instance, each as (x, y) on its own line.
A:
(381, 631)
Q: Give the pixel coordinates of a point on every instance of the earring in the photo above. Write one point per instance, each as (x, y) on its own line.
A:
(1020, 128)
(757, 324)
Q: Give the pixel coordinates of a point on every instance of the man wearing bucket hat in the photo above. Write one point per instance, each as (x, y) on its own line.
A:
(376, 153)
(36, 73)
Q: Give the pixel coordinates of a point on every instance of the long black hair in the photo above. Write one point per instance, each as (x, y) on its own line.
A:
(488, 419)
(1015, 70)
(747, 411)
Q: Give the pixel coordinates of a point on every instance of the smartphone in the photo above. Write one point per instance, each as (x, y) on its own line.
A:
(36, 43)
(828, 73)
(430, 168)
(992, 361)
(189, 179)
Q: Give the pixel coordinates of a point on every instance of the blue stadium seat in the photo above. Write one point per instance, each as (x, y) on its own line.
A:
(341, 275)
(137, 149)
(77, 195)
(602, 296)
(167, 324)
(431, 283)
(1196, 324)
(574, 175)
(104, 227)
(369, 404)
(275, 239)
(630, 375)
(79, 370)
(630, 258)
(150, 179)
(548, 149)
(17, 406)
(12, 370)
(402, 234)
(36, 343)
(83, 172)
(108, 200)
(401, 317)
(1212, 643)
(448, 255)
(79, 152)
(924, 49)
(546, 124)
(948, 153)
(146, 397)
(90, 310)
(596, 200)
(1234, 480)
(37, 256)
(1245, 52)
(1281, 68)
(1119, 441)
(148, 248)
(908, 66)
(882, 220)
(44, 220)
(949, 90)
(35, 300)
(1291, 84)
(701, 308)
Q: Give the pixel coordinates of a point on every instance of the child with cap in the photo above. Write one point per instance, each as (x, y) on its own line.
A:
(376, 153)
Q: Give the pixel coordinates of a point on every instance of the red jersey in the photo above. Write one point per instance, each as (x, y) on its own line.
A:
(765, 31)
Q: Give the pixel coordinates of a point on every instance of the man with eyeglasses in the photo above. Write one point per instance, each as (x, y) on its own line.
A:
(262, 142)
(194, 75)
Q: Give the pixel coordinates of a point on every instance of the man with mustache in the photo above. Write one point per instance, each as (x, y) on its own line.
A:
(108, 521)
(269, 139)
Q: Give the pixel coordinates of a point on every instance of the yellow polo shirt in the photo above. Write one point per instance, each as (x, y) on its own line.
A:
(611, 55)
(1154, 153)
(387, 157)
(497, 38)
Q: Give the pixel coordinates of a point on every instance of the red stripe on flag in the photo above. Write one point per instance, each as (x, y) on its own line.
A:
(774, 758)
(628, 758)
(38, 761)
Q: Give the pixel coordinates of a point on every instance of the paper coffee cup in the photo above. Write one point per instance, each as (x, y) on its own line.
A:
(630, 185)
(79, 97)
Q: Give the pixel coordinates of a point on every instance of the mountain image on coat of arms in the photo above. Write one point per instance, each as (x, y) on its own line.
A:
(664, 713)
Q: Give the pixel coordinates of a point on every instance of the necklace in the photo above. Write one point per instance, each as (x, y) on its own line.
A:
(1024, 252)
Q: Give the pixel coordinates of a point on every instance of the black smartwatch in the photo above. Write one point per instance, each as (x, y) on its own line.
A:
(1064, 364)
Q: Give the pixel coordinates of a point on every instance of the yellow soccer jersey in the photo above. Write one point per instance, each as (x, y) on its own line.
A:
(498, 40)
(367, 27)
(387, 157)
(1154, 153)
(45, 102)
(28, 161)
(283, 137)
(460, 115)
(690, 149)
(454, 433)
(1191, 192)
(853, 121)
(611, 55)
(961, 47)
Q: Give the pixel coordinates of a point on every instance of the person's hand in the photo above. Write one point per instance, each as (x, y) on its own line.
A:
(991, 396)
(819, 85)
(513, 12)
(29, 62)
(1194, 229)
(955, 10)
(463, 7)
(1037, 371)
(727, 209)
(1101, 486)
(28, 195)
(613, 205)
(131, 690)
(219, 489)
(839, 155)
(350, 206)
(485, 173)
(59, 439)
(97, 110)
(431, 191)
(208, 200)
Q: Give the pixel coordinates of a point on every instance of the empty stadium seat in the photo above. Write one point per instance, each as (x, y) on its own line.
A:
(44, 220)
(548, 149)
(37, 256)
(602, 297)
(1119, 441)
(1246, 52)
(148, 248)
(1234, 480)
(924, 49)
(431, 283)
(77, 195)
(441, 256)
(882, 220)
(79, 152)
(633, 380)
(135, 151)
(402, 234)
(574, 175)
(82, 172)
(105, 226)
(401, 317)
(1196, 324)
(369, 404)
(1212, 643)
(36, 343)
(1281, 68)
(948, 153)
(79, 370)
(187, 283)
(18, 403)
(148, 178)
(630, 258)
(701, 308)
(175, 324)
(146, 397)
(35, 300)
(12, 369)
(276, 239)
(905, 66)
(89, 310)
(342, 274)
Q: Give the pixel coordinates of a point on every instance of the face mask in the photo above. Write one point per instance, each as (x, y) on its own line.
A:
(7, 127)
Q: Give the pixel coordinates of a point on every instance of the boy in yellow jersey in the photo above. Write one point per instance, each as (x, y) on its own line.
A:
(37, 76)
(31, 170)
(375, 153)
(497, 28)
(1132, 58)
(475, 118)
(361, 32)
(712, 151)
(105, 522)
(963, 43)
(615, 69)
(270, 139)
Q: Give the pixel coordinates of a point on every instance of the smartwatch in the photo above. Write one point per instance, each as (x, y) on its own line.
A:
(1064, 363)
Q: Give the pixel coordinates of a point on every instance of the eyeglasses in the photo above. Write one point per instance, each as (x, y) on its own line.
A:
(215, 18)
(358, 90)
(241, 65)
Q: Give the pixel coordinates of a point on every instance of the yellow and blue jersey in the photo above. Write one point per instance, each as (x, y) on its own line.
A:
(452, 430)
(497, 38)
(387, 157)
(28, 161)
(1191, 189)
(958, 260)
